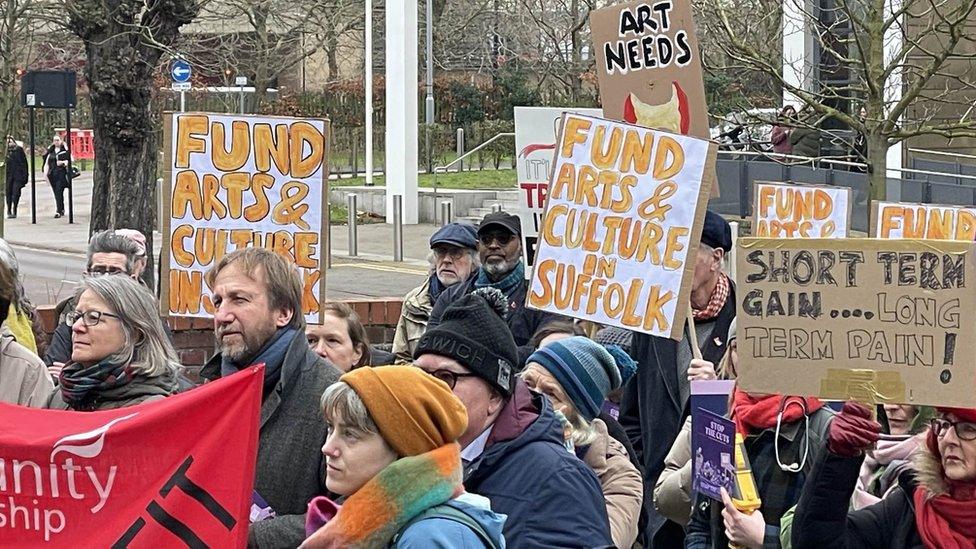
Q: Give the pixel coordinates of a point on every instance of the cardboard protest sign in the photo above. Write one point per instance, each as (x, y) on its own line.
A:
(535, 144)
(801, 211)
(236, 181)
(927, 221)
(869, 319)
(176, 472)
(713, 448)
(622, 225)
(649, 66)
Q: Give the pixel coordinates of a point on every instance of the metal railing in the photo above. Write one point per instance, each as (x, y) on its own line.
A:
(942, 153)
(460, 159)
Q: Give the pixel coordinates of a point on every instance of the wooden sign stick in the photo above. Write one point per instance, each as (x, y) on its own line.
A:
(695, 349)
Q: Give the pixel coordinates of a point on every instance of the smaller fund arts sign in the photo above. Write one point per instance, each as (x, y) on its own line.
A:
(171, 473)
(237, 181)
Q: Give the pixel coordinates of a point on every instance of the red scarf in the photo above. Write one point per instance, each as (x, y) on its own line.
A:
(716, 302)
(944, 522)
(753, 414)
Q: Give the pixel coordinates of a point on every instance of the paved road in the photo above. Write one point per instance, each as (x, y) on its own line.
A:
(51, 276)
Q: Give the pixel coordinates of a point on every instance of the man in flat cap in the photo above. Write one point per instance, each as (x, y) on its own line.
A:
(453, 259)
(500, 251)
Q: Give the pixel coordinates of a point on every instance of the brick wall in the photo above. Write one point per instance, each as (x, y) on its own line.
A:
(194, 341)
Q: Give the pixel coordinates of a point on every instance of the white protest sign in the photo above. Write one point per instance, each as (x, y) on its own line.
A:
(622, 223)
(927, 221)
(801, 211)
(237, 181)
(535, 142)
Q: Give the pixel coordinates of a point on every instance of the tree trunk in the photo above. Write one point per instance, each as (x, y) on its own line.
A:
(124, 193)
(877, 170)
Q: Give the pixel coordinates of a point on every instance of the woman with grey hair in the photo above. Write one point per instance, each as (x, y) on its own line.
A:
(120, 355)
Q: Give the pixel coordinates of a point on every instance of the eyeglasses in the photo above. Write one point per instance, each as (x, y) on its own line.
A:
(89, 318)
(964, 430)
(502, 238)
(449, 251)
(101, 271)
(449, 377)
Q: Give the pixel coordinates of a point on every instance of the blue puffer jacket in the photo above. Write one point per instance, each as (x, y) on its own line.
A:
(551, 498)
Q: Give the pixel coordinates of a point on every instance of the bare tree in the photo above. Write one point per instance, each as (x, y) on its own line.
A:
(266, 39)
(124, 40)
(869, 49)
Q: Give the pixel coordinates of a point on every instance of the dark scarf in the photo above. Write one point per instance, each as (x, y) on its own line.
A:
(507, 284)
(81, 386)
(272, 355)
(86, 388)
(434, 288)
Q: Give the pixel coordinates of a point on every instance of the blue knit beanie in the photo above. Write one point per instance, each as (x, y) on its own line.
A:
(584, 368)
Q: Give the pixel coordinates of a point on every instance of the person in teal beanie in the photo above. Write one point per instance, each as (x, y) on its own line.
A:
(576, 374)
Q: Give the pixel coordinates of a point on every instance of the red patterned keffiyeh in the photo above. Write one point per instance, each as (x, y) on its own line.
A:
(716, 302)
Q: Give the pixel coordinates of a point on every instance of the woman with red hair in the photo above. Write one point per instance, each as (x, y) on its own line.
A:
(933, 507)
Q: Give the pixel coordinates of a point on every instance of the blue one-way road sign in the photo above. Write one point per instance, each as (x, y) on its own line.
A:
(180, 70)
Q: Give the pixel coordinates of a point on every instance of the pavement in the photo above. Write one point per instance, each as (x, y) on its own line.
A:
(52, 251)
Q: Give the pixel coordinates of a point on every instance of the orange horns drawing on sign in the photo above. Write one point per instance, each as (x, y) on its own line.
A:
(671, 116)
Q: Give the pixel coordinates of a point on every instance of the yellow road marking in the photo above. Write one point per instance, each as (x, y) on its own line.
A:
(384, 268)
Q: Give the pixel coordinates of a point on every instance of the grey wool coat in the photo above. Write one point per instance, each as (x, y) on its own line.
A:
(290, 467)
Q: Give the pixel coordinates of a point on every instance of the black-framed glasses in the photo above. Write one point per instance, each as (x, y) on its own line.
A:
(101, 271)
(89, 318)
(449, 377)
(502, 238)
(965, 430)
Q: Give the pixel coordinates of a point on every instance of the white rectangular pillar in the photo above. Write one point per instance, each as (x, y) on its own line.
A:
(797, 50)
(893, 41)
(401, 108)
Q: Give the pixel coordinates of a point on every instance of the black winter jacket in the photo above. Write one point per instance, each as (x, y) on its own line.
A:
(17, 171)
(822, 520)
(651, 411)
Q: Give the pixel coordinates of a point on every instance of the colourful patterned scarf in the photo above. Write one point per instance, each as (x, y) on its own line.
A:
(716, 302)
(404, 489)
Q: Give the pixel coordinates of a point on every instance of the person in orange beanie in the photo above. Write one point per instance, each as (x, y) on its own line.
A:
(392, 456)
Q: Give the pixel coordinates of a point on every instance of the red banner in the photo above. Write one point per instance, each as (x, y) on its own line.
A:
(170, 473)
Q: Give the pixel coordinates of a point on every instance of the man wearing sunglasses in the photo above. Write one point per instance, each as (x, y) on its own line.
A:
(500, 251)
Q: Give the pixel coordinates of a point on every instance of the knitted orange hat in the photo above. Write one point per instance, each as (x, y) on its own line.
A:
(414, 411)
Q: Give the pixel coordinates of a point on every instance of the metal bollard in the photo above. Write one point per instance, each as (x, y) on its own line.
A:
(397, 227)
(447, 215)
(460, 148)
(352, 223)
(496, 208)
(731, 256)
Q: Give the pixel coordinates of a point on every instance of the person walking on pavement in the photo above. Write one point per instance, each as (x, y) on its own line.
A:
(500, 251)
(258, 319)
(513, 448)
(454, 256)
(17, 171)
(56, 170)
